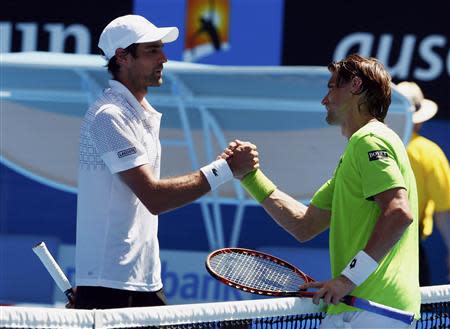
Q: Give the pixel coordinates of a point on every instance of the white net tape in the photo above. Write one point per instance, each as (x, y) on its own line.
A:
(30, 317)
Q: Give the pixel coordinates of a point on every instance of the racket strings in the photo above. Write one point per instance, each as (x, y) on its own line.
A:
(264, 274)
(256, 272)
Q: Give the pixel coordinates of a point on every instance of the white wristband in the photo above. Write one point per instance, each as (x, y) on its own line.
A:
(217, 173)
(360, 268)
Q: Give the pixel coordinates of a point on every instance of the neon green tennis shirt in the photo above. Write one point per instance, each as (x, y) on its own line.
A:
(374, 161)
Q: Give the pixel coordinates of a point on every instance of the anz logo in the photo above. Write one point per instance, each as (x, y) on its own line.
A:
(57, 36)
(429, 49)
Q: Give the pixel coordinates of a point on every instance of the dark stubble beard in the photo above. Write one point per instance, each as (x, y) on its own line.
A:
(331, 119)
(154, 82)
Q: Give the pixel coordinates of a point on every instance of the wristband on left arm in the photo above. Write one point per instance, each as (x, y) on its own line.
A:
(360, 268)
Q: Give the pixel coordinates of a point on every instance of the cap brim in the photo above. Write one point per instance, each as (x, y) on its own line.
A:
(165, 34)
(427, 110)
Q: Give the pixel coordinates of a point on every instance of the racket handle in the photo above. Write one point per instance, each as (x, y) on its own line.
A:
(70, 295)
(55, 271)
(391, 312)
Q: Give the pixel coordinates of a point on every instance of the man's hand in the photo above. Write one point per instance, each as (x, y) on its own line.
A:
(242, 157)
(331, 291)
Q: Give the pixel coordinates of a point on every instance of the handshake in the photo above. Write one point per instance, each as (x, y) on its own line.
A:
(242, 158)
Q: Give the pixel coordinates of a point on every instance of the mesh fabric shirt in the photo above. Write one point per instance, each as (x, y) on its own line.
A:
(432, 172)
(374, 161)
(117, 244)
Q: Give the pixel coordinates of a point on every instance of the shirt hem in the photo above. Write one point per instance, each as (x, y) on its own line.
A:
(118, 166)
(371, 194)
(120, 285)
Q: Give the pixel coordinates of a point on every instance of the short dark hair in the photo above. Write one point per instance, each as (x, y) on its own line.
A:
(376, 81)
(112, 65)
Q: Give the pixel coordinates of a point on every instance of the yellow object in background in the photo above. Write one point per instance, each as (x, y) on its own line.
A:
(432, 172)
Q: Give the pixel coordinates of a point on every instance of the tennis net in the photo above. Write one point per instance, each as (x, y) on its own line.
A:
(262, 313)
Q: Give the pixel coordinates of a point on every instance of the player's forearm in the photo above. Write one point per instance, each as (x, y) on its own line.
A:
(175, 192)
(160, 195)
(291, 215)
(442, 220)
(165, 194)
(394, 219)
(388, 230)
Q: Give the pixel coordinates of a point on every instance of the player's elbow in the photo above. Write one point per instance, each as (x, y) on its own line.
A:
(154, 208)
(155, 202)
(303, 238)
(155, 211)
(403, 217)
(311, 228)
(304, 235)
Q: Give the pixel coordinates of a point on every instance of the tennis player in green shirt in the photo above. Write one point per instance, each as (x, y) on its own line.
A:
(369, 204)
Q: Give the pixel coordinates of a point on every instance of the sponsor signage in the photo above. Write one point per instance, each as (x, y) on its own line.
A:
(211, 31)
(56, 26)
(223, 32)
(207, 28)
(413, 42)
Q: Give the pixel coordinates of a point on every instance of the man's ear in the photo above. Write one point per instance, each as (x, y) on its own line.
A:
(121, 55)
(356, 85)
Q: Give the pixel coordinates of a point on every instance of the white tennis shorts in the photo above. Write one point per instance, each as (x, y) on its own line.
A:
(361, 320)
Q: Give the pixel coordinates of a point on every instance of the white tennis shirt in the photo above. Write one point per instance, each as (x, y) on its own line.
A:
(117, 244)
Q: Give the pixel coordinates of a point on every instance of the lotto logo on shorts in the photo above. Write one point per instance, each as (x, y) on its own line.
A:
(127, 152)
(377, 155)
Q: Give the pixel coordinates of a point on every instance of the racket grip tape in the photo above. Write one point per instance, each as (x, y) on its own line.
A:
(391, 312)
(55, 271)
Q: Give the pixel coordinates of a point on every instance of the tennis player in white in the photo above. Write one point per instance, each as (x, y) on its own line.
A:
(120, 193)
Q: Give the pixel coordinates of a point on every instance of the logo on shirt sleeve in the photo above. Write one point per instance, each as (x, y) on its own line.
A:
(127, 152)
(377, 155)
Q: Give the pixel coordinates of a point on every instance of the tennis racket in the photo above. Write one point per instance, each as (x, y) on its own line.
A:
(55, 271)
(259, 273)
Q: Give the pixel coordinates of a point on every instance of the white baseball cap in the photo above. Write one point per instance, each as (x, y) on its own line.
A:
(424, 109)
(126, 30)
